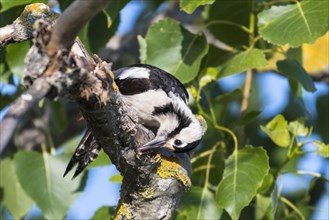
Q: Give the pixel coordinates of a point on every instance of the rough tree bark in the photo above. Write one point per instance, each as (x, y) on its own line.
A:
(152, 184)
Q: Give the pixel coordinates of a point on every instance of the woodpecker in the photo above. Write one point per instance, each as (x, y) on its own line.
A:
(161, 103)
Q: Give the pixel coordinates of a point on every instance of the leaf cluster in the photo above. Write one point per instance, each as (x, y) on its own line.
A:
(234, 175)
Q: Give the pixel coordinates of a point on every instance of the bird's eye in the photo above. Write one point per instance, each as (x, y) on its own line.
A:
(178, 142)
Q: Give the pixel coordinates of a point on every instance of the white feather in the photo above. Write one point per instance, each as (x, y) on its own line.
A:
(135, 72)
(144, 102)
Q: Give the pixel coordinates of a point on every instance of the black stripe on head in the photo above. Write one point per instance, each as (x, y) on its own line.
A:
(188, 147)
(164, 110)
(183, 120)
(165, 81)
(133, 86)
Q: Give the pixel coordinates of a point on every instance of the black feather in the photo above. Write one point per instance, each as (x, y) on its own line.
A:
(158, 79)
(86, 152)
(188, 147)
(183, 119)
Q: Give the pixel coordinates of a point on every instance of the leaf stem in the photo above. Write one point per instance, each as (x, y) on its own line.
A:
(235, 140)
(202, 155)
(43, 148)
(244, 28)
(205, 187)
(215, 124)
(211, 109)
(291, 146)
(203, 167)
(247, 84)
(277, 2)
(248, 80)
(317, 175)
(289, 157)
(246, 91)
(292, 206)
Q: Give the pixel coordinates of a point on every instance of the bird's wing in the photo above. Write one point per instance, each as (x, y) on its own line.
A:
(139, 78)
(86, 152)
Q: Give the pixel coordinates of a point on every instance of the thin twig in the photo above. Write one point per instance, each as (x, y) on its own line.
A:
(293, 207)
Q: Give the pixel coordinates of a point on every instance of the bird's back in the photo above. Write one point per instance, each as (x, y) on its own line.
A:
(146, 89)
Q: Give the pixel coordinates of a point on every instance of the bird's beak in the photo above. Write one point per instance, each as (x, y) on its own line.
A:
(156, 143)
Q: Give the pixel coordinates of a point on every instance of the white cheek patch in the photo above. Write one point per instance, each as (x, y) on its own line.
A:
(171, 143)
(135, 73)
(191, 133)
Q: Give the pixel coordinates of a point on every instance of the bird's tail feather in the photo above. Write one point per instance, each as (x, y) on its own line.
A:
(86, 152)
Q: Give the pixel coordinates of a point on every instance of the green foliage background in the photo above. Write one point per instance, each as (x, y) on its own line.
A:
(235, 172)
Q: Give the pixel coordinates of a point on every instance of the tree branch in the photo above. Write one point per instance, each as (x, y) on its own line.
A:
(22, 28)
(19, 109)
(71, 22)
(152, 184)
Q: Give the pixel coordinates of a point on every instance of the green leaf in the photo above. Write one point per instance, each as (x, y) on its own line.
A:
(64, 4)
(70, 145)
(249, 59)
(250, 116)
(298, 127)
(267, 184)
(14, 197)
(59, 119)
(323, 116)
(295, 54)
(223, 14)
(7, 4)
(244, 172)
(104, 212)
(98, 32)
(216, 56)
(323, 149)
(15, 55)
(294, 70)
(5, 100)
(142, 48)
(277, 130)
(112, 11)
(263, 207)
(209, 76)
(294, 24)
(101, 160)
(41, 178)
(189, 6)
(83, 36)
(296, 88)
(198, 203)
(229, 97)
(172, 48)
(7, 17)
(117, 178)
(93, 35)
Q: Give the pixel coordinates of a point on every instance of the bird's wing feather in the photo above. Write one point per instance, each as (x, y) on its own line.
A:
(86, 152)
(139, 78)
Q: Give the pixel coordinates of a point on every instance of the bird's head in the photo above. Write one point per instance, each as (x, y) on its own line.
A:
(180, 130)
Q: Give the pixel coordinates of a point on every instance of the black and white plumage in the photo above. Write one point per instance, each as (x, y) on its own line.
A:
(85, 153)
(161, 103)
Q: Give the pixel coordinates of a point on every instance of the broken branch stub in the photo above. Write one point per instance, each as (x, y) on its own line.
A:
(22, 28)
